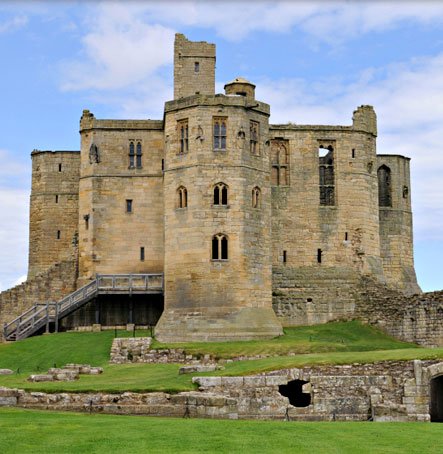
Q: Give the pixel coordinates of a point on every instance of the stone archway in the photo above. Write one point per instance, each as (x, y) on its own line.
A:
(436, 399)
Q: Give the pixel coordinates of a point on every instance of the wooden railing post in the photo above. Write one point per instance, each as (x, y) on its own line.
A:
(56, 317)
(5, 331)
(47, 316)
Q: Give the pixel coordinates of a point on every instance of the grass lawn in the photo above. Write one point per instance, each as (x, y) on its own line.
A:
(164, 377)
(36, 432)
(334, 343)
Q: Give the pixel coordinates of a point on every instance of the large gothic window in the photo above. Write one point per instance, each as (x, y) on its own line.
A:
(326, 177)
(384, 186)
(279, 162)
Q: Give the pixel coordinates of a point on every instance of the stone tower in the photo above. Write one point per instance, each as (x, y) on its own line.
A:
(217, 203)
(53, 207)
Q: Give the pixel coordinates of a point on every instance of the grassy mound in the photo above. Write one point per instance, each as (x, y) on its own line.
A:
(37, 432)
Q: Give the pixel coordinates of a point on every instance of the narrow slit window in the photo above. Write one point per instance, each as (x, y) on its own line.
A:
(319, 254)
(56, 199)
(196, 66)
(163, 164)
(131, 155)
(128, 206)
(139, 155)
(59, 167)
(346, 236)
(58, 234)
(353, 152)
(284, 257)
(86, 218)
(142, 254)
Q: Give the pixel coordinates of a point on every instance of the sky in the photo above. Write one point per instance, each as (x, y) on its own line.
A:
(313, 62)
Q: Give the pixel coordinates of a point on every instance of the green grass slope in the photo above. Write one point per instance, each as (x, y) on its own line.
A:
(38, 432)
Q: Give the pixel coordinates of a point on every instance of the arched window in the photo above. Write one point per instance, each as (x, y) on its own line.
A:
(256, 197)
(182, 197)
(219, 134)
(220, 247)
(384, 186)
(220, 194)
(131, 155)
(253, 137)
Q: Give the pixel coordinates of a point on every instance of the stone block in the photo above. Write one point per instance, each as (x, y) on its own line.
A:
(6, 372)
(41, 377)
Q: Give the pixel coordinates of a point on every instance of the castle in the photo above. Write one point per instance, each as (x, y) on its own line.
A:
(252, 224)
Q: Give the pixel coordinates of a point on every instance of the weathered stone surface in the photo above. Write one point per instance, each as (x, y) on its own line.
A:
(198, 368)
(6, 372)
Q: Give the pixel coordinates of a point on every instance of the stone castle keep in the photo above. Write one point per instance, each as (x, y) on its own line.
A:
(252, 225)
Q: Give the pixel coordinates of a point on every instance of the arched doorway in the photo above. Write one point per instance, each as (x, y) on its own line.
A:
(436, 399)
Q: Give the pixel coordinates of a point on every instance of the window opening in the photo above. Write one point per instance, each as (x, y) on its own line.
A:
(384, 186)
(436, 399)
(163, 164)
(86, 218)
(219, 134)
(182, 197)
(220, 194)
(56, 199)
(346, 236)
(196, 66)
(128, 206)
(220, 247)
(353, 152)
(131, 155)
(58, 234)
(256, 197)
(319, 253)
(284, 256)
(294, 392)
(142, 254)
(183, 132)
(59, 167)
(253, 137)
(280, 162)
(139, 155)
(327, 178)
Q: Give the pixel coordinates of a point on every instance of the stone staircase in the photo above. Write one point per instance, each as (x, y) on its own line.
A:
(42, 314)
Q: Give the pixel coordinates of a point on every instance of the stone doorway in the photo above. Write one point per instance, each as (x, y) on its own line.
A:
(436, 399)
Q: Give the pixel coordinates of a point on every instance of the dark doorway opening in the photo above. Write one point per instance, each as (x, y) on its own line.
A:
(294, 392)
(436, 401)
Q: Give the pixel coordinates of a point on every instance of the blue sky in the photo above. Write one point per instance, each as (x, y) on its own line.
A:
(313, 62)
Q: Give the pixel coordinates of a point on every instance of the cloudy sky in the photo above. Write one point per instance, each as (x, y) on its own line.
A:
(313, 62)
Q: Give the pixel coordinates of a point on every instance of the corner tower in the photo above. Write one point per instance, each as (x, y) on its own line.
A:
(217, 203)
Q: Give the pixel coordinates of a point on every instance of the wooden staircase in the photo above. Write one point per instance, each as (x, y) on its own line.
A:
(42, 314)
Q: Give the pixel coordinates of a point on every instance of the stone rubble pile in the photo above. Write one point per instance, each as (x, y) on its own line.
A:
(70, 372)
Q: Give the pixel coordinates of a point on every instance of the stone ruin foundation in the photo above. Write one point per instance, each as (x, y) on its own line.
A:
(383, 391)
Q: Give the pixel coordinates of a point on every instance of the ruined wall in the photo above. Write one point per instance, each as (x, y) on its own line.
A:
(387, 391)
(194, 67)
(224, 298)
(396, 225)
(51, 285)
(110, 236)
(53, 207)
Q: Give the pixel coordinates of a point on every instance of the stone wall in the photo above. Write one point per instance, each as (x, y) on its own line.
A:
(52, 285)
(388, 391)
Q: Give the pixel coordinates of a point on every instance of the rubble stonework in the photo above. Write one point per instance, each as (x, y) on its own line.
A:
(385, 391)
(309, 214)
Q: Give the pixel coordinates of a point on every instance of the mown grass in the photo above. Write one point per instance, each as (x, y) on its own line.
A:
(38, 432)
(164, 377)
(330, 337)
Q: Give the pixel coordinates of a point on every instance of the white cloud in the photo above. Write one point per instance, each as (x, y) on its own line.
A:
(13, 24)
